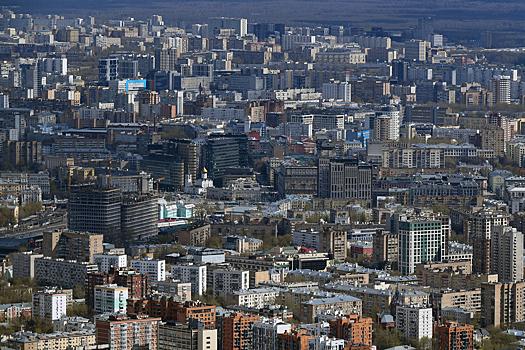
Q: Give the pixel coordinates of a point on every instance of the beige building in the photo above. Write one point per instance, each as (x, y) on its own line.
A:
(55, 341)
(72, 245)
(465, 299)
(254, 298)
(174, 335)
(385, 246)
(346, 304)
(453, 275)
(502, 303)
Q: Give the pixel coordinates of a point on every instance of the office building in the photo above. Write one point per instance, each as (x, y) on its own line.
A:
(94, 209)
(344, 178)
(194, 274)
(229, 281)
(155, 268)
(49, 304)
(507, 253)
(354, 329)
(24, 264)
(191, 336)
(62, 273)
(297, 179)
(139, 217)
(72, 245)
(127, 332)
(453, 335)
(416, 50)
(110, 298)
(414, 321)
(223, 152)
(108, 260)
(502, 303)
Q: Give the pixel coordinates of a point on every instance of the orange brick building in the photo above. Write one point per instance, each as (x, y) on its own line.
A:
(237, 331)
(352, 328)
(294, 340)
(453, 335)
(169, 309)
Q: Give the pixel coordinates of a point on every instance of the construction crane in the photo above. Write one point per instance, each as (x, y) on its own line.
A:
(157, 181)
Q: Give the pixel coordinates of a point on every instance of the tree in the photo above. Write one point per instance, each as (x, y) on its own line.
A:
(78, 292)
(214, 242)
(384, 339)
(450, 163)
(80, 310)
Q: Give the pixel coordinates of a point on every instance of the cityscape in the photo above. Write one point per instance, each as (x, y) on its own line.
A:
(227, 182)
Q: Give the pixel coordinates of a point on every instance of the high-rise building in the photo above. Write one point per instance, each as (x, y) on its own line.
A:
(72, 245)
(453, 335)
(237, 331)
(294, 340)
(49, 304)
(108, 260)
(344, 178)
(394, 113)
(333, 243)
(354, 329)
(385, 246)
(502, 303)
(507, 253)
(191, 336)
(138, 220)
(62, 273)
(416, 50)
(265, 333)
(338, 91)
(94, 209)
(216, 23)
(194, 274)
(155, 268)
(420, 240)
(222, 152)
(21, 152)
(127, 332)
(382, 128)
(500, 87)
(229, 281)
(479, 233)
(166, 59)
(186, 149)
(110, 298)
(24, 264)
(138, 285)
(414, 321)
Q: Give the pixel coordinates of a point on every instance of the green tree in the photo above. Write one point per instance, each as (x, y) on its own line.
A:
(80, 310)
(78, 292)
(450, 163)
(214, 242)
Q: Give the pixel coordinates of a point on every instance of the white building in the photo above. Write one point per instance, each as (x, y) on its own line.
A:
(183, 289)
(156, 269)
(110, 298)
(49, 304)
(228, 281)
(290, 41)
(239, 24)
(306, 239)
(295, 130)
(507, 253)
(265, 333)
(106, 261)
(395, 115)
(414, 321)
(194, 274)
(338, 91)
(324, 342)
(256, 298)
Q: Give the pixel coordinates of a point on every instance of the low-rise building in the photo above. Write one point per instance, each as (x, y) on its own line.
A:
(347, 304)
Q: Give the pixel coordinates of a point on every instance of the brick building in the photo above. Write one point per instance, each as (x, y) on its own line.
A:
(353, 328)
(453, 335)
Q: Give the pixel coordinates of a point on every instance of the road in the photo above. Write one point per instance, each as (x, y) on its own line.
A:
(35, 230)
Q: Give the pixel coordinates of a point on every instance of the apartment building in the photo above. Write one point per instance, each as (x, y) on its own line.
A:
(127, 332)
(62, 273)
(194, 274)
(502, 303)
(182, 289)
(110, 298)
(108, 260)
(237, 331)
(155, 268)
(24, 264)
(191, 336)
(345, 303)
(453, 335)
(56, 341)
(72, 245)
(228, 281)
(354, 329)
(265, 333)
(49, 304)
(414, 321)
(254, 298)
